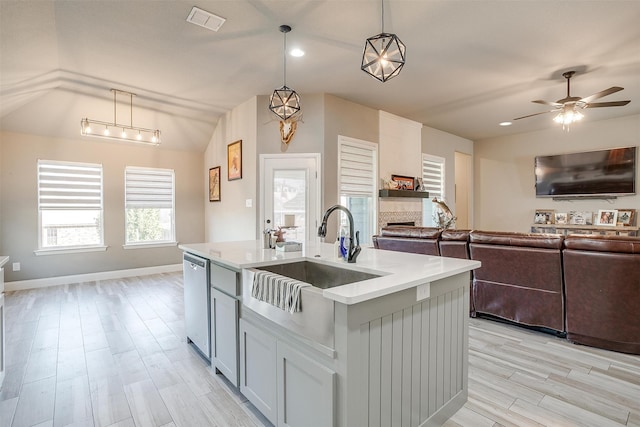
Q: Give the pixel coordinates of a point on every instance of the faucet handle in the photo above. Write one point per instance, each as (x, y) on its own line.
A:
(355, 250)
(322, 230)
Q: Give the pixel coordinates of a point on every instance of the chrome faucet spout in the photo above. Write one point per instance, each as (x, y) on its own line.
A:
(354, 250)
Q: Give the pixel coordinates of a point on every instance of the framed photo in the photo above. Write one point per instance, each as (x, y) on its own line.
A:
(403, 182)
(544, 216)
(607, 217)
(581, 218)
(214, 184)
(561, 218)
(234, 161)
(626, 217)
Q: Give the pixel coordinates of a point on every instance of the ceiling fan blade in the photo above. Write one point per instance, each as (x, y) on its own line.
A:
(600, 94)
(607, 104)
(536, 114)
(553, 104)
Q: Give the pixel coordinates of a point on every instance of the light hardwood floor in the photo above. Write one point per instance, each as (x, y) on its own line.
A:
(114, 353)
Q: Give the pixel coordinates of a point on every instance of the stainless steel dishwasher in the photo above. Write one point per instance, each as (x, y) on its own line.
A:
(197, 306)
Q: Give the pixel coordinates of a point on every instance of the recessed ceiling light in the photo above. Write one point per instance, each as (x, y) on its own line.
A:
(505, 124)
(297, 52)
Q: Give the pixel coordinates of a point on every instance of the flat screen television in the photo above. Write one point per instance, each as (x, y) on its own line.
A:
(603, 173)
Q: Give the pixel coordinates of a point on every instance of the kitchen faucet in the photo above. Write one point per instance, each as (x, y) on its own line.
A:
(354, 251)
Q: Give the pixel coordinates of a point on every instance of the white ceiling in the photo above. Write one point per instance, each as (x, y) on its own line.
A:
(470, 64)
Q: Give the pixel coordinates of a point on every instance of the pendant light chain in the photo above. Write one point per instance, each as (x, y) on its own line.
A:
(284, 59)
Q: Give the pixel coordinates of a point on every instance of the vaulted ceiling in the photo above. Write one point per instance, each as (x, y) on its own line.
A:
(470, 64)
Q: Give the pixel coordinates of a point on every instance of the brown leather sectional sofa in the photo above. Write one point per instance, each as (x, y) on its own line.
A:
(584, 286)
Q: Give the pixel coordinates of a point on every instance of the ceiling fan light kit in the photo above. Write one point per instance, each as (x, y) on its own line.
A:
(570, 106)
(384, 55)
(118, 131)
(285, 102)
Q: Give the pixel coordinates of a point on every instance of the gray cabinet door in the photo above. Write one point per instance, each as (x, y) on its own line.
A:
(224, 335)
(258, 369)
(305, 390)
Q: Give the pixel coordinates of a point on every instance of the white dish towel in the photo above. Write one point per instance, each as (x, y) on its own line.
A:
(277, 290)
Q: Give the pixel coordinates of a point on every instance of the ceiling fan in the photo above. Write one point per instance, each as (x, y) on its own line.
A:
(570, 106)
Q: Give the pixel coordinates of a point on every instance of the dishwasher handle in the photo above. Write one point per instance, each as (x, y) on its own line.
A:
(195, 261)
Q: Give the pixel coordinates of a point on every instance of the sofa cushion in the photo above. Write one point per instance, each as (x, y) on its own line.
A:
(410, 231)
(404, 238)
(531, 240)
(520, 278)
(618, 244)
(602, 285)
(455, 243)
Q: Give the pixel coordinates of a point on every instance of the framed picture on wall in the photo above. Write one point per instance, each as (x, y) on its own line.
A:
(214, 184)
(581, 218)
(234, 161)
(607, 217)
(626, 217)
(561, 217)
(544, 216)
(403, 182)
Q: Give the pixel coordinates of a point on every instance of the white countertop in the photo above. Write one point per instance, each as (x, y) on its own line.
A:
(398, 270)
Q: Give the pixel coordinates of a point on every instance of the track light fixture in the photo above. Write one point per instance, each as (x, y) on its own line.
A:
(384, 54)
(285, 102)
(117, 131)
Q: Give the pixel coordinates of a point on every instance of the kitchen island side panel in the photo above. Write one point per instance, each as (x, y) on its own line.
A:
(406, 361)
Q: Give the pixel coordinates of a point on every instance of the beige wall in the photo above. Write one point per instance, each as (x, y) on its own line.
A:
(230, 219)
(445, 145)
(504, 179)
(342, 117)
(19, 213)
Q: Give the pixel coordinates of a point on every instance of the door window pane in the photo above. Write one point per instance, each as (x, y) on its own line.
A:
(289, 198)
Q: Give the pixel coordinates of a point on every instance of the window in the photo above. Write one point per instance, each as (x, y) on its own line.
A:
(149, 206)
(433, 181)
(357, 178)
(69, 205)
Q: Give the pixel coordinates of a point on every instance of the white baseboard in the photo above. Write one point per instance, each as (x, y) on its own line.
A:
(20, 285)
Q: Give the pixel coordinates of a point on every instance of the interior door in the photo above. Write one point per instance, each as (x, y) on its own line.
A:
(290, 194)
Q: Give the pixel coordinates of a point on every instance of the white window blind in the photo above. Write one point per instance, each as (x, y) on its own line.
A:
(357, 179)
(357, 168)
(149, 188)
(70, 186)
(433, 175)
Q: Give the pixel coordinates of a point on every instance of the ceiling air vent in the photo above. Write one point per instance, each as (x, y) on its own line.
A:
(205, 19)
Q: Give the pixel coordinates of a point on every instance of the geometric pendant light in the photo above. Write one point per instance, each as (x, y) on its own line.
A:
(384, 55)
(285, 102)
(118, 131)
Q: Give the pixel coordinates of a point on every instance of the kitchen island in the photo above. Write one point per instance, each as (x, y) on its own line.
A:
(387, 350)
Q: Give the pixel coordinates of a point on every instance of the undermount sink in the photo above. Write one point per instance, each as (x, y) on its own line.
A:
(319, 275)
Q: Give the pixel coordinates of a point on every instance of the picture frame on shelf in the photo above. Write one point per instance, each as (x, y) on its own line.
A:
(544, 216)
(234, 161)
(561, 218)
(626, 217)
(214, 184)
(607, 217)
(403, 182)
(580, 218)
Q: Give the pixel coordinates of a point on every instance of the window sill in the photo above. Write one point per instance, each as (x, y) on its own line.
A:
(149, 245)
(69, 250)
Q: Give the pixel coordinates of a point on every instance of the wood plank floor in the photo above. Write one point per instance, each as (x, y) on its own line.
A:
(113, 353)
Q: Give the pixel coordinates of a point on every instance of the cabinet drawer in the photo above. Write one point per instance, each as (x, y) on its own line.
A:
(224, 279)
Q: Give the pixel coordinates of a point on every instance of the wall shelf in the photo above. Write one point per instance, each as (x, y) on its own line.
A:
(404, 193)
(584, 229)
